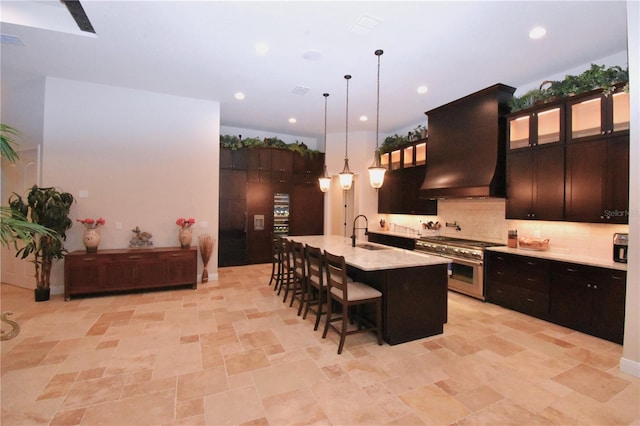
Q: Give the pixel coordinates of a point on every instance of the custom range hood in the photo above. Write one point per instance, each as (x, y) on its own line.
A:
(466, 149)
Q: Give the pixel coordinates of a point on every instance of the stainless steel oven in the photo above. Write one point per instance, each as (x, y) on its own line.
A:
(466, 267)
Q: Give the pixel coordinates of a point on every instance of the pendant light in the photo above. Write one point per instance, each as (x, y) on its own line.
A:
(376, 172)
(325, 180)
(346, 176)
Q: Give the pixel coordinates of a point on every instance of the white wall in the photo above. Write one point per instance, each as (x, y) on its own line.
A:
(630, 362)
(144, 158)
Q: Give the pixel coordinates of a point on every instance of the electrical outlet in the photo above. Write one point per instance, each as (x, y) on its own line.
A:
(536, 233)
(83, 193)
(204, 224)
(118, 225)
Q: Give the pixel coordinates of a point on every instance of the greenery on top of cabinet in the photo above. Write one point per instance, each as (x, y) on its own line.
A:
(234, 143)
(596, 77)
(396, 141)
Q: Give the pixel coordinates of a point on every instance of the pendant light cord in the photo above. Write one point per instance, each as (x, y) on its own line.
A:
(326, 95)
(378, 54)
(346, 140)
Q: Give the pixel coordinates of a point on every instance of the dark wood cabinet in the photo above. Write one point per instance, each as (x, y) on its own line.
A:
(232, 232)
(585, 298)
(306, 210)
(597, 180)
(233, 159)
(595, 114)
(536, 183)
(401, 189)
(519, 283)
(247, 194)
(132, 269)
(393, 240)
(589, 299)
(569, 160)
(307, 169)
(259, 165)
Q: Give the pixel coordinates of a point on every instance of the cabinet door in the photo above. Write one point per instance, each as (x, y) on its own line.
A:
(617, 192)
(520, 185)
(260, 202)
(307, 210)
(83, 274)
(180, 267)
(232, 237)
(571, 298)
(233, 159)
(609, 305)
(585, 181)
(549, 183)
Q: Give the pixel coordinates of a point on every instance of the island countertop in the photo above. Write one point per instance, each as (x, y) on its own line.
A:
(369, 256)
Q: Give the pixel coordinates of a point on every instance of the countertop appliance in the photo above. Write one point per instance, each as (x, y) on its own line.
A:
(467, 261)
(620, 245)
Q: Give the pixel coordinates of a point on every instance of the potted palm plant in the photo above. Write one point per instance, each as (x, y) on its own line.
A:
(49, 208)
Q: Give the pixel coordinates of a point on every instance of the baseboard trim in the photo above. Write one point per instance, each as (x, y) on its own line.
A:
(630, 367)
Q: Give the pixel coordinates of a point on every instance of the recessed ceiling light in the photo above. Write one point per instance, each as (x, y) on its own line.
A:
(239, 96)
(292, 120)
(262, 48)
(422, 89)
(363, 118)
(537, 32)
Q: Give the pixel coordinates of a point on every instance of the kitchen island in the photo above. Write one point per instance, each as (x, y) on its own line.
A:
(413, 286)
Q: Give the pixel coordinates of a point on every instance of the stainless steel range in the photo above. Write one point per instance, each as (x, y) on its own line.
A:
(467, 261)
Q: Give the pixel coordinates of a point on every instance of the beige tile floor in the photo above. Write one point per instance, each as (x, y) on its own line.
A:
(232, 353)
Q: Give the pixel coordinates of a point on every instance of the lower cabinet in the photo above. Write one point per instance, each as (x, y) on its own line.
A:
(519, 283)
(589, 299)
(584, 298)
(393, 240)
(133, 269)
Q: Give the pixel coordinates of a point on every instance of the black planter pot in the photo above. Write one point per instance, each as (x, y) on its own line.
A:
(42, 294)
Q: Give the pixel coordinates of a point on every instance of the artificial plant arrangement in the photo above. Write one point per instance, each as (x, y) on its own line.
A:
(237, 142)
(596, 77)
(14, 226)
(392, 142)
(49, 208)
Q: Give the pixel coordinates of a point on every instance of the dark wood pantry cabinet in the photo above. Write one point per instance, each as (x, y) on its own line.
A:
(247, 200)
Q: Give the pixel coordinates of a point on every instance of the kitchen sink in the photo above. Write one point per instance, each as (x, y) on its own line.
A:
(371, 247)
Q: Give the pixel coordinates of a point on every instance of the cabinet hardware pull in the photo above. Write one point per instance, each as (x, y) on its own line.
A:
(135, 257)
(588, 285)
(529, 299)
(616, 277)
(176, 255)
(531, 263)
(571, 270)
(531, 279)
(595, 287)
(88, 259)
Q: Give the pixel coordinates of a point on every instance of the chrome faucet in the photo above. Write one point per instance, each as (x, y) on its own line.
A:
(366, 228)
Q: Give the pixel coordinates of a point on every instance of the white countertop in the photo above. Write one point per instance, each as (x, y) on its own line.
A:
(369, 260)
(563, 257)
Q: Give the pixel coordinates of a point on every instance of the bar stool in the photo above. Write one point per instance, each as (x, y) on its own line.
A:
(299, 282)
(287, 267)
(316, 288)
(349, 294)
(276, 262)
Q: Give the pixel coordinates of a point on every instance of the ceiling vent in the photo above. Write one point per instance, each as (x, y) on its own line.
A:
(78, 14)
(364, 25)
(300, 90)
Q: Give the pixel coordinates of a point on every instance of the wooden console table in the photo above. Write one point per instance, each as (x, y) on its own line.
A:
(129, 269)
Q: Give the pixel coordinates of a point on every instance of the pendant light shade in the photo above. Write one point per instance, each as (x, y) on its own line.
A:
(325, 179)
(376, 172)
(346, 176)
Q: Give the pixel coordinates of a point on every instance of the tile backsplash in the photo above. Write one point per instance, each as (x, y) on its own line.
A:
(485, 220)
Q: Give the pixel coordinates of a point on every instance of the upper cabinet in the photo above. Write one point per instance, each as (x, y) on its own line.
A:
(233, 159)
(569, 160)
(535, 127)
(406, 170)
(594, 115)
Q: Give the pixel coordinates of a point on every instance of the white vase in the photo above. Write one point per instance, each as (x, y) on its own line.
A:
(91, 240)
(185, 236)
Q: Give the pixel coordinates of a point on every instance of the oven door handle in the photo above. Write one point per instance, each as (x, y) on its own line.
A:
(466, 262)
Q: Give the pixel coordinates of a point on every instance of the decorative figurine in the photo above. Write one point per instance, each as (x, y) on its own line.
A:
(140, 239)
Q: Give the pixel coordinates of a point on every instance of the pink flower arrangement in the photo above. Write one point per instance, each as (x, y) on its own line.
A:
(185, 223)
(91, 223)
